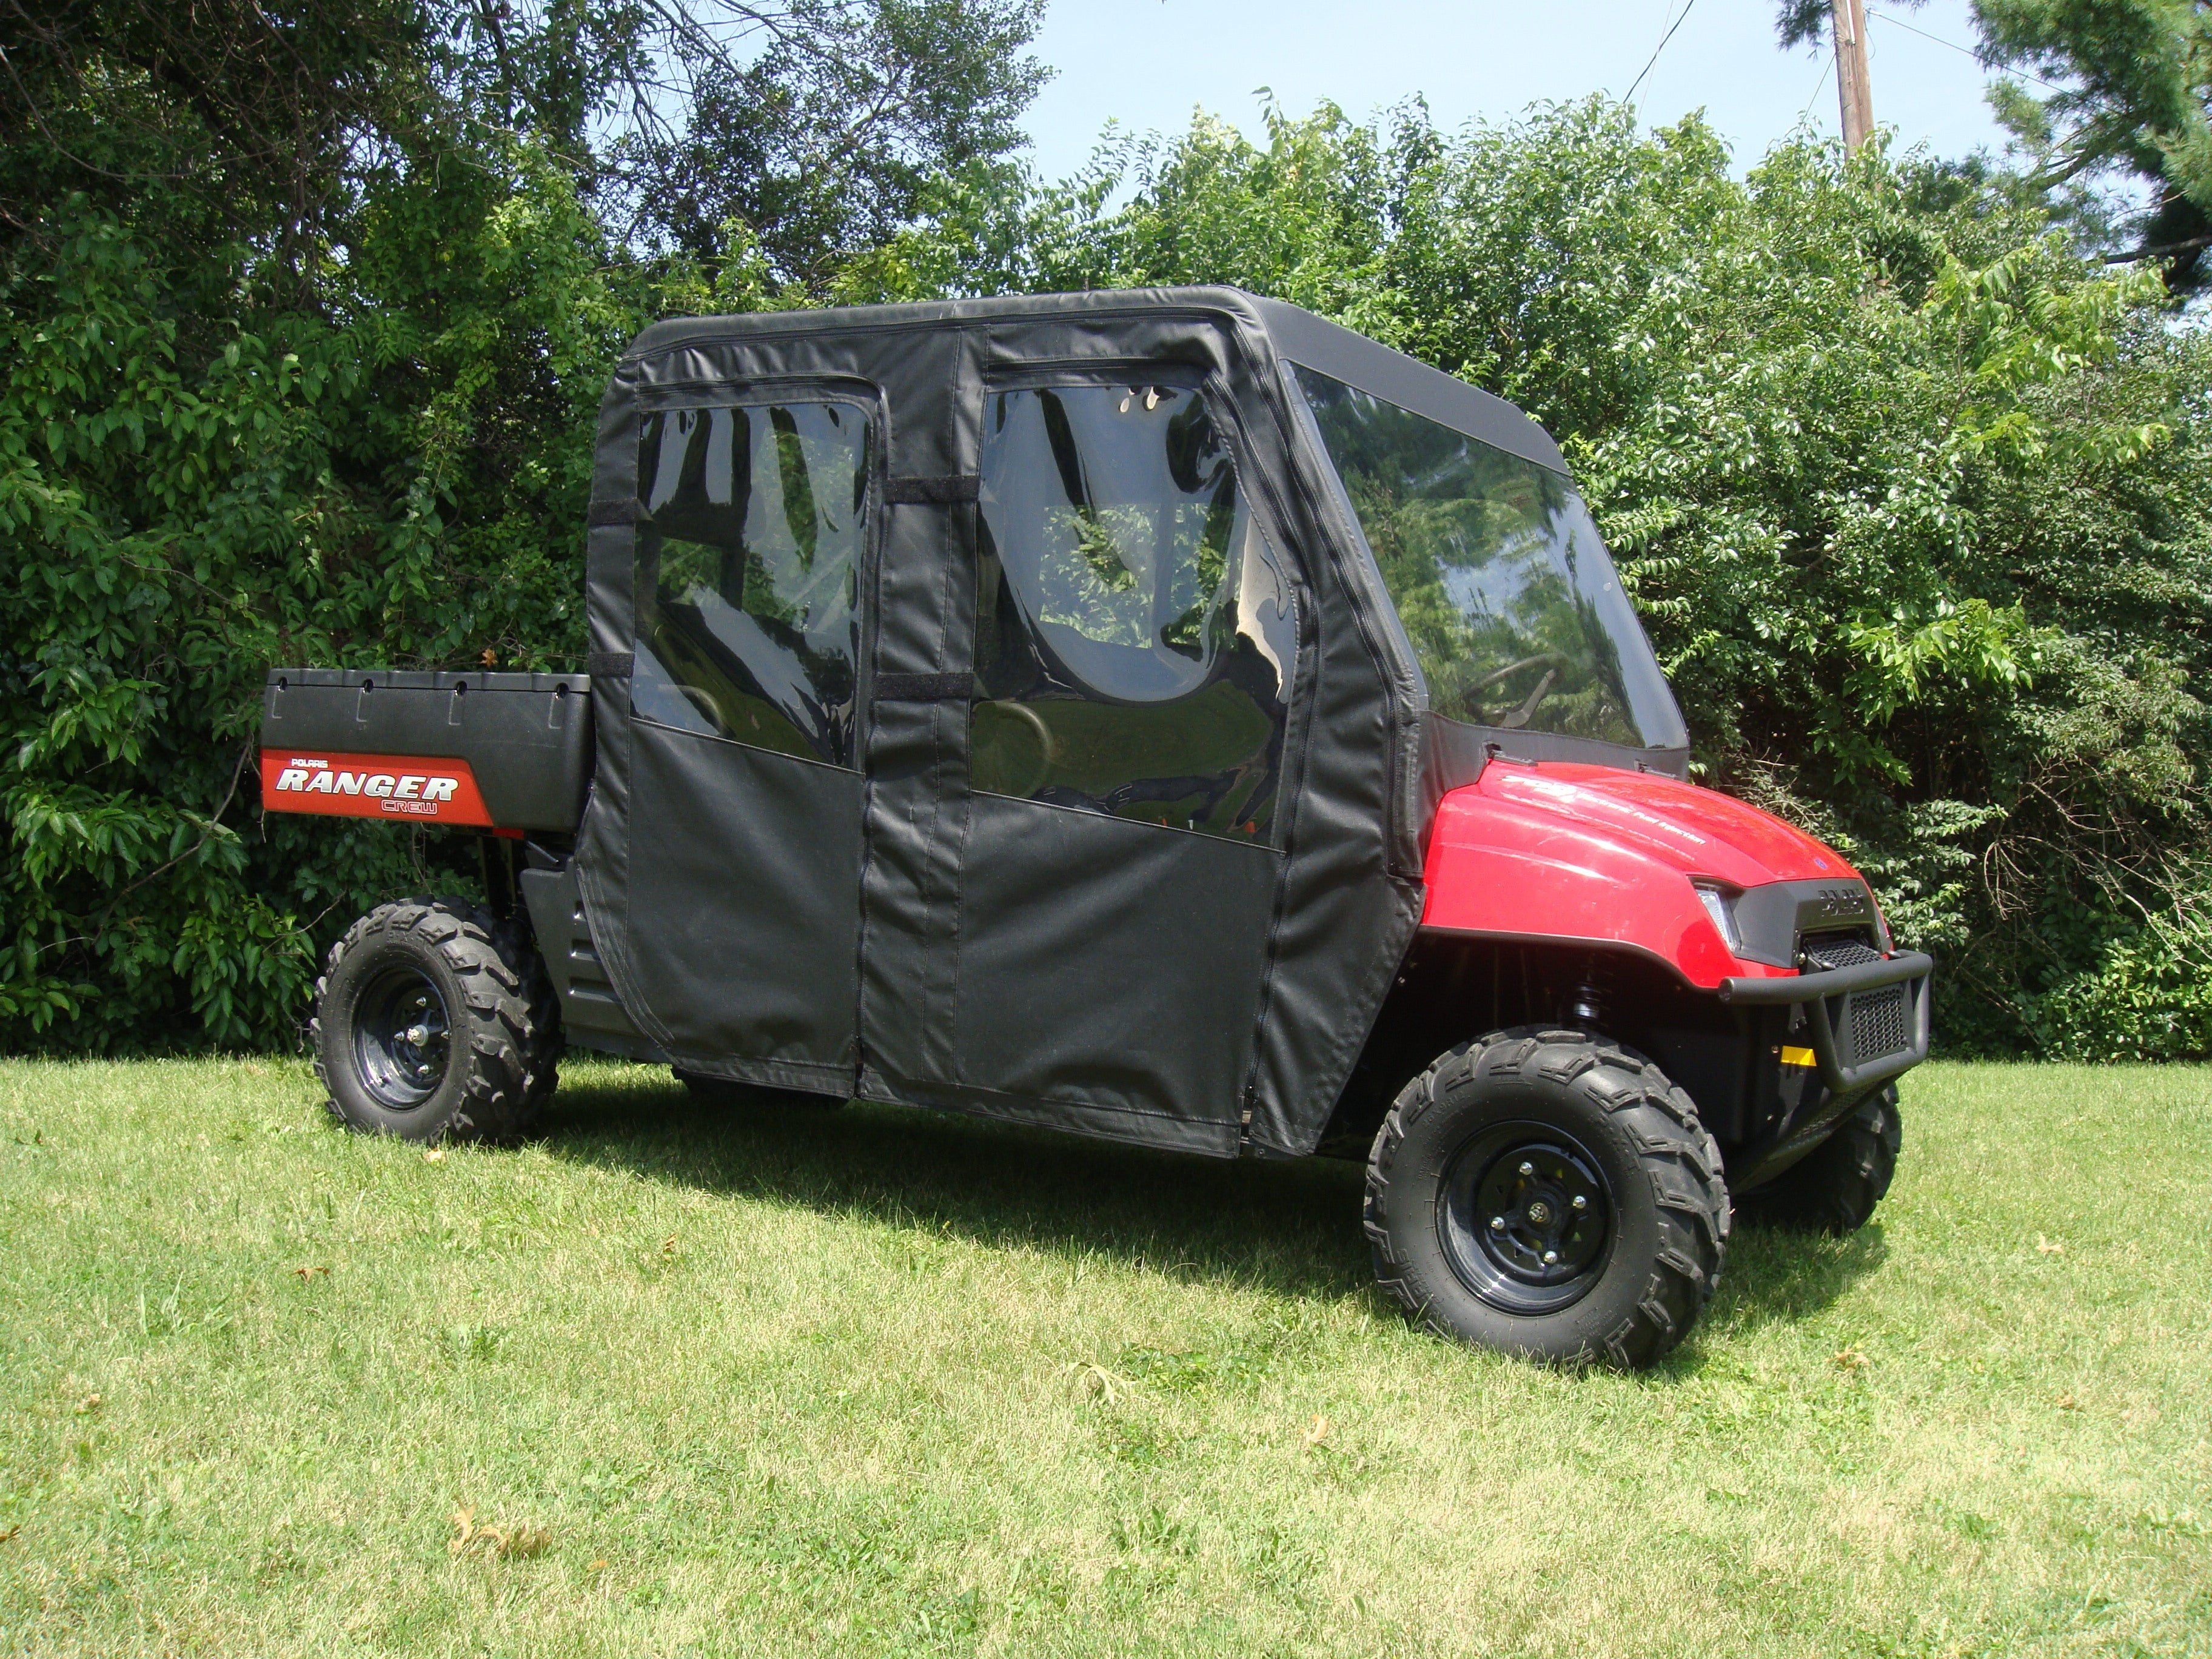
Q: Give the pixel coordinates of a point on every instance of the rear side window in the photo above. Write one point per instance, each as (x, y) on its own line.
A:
(748, 569)
(1136, 636)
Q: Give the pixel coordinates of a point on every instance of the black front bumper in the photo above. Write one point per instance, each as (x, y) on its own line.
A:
(1869, 1021)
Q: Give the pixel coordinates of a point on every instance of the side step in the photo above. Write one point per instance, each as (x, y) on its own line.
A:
(592, 1014)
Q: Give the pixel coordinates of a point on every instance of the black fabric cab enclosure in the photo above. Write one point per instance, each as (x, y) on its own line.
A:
(997, 708)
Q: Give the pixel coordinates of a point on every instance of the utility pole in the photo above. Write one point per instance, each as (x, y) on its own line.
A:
(1853, 90)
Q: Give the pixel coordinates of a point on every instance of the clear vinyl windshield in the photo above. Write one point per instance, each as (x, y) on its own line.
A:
(1512, 603)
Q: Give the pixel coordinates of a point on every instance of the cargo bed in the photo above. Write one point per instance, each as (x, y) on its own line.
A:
(500, 751)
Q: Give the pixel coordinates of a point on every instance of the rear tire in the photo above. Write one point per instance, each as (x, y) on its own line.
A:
(434, 1020)
(1834, 1187)
(751, 1097)
(1549, 1194)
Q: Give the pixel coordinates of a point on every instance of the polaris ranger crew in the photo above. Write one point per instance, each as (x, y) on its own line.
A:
(1161, 715)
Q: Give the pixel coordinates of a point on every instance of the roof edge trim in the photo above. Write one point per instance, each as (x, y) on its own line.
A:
(1297, 335)
(1344, 354)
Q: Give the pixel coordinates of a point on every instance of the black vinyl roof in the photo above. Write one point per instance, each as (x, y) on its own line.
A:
(1299, 337)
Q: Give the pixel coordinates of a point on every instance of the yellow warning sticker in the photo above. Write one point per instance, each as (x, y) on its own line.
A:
(1797, 1057)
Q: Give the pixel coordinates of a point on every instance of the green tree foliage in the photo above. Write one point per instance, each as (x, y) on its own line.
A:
(305, 313)
(816, 124)
(2098, 94)
(1914, 500)
(2123, 91)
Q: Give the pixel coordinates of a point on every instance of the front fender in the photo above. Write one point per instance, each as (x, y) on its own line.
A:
(1585, 854)
(1494, 870)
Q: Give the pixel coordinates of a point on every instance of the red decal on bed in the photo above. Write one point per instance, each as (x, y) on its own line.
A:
(402, 786)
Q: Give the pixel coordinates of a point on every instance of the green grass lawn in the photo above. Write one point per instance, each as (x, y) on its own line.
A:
(874, 1382)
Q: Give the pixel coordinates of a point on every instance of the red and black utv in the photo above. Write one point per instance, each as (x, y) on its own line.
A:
(1163, 715)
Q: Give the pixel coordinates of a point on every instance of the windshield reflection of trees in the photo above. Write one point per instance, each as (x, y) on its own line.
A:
(1491, 561)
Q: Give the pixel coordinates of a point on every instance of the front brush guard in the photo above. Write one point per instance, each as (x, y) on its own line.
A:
(1828, 998)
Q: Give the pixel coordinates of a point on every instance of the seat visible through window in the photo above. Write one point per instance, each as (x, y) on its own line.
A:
(1137, 637)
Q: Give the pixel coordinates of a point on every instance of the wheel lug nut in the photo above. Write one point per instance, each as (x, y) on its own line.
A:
(1497, 1224)
(1528, 1169)
(1551, 1257)
(1581, 1203)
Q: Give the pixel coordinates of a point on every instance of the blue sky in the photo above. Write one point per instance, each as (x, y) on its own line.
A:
(1149, 63)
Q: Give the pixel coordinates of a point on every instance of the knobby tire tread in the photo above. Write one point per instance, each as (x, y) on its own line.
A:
(506, 1030)
(1680, 1155)
(1835, 1188)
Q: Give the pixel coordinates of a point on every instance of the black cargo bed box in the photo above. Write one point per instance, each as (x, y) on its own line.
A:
(527, 737)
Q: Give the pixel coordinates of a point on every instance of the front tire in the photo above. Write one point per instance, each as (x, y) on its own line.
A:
(434, 1020)
(1834, 1187)
(1549, 1194)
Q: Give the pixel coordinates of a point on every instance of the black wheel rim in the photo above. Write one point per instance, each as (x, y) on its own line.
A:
(1526, 1217)
(401, 1037)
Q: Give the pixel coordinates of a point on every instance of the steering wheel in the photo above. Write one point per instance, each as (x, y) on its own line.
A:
(1519, 717)
(706, 702)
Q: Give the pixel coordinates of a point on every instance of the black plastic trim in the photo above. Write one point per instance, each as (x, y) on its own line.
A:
(527, 737)
(1773, 916)
(592, 1014)
(1454, 753)
(1572, 942)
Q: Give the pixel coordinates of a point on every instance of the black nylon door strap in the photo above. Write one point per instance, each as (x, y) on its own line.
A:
(948, 491)
(925, 688)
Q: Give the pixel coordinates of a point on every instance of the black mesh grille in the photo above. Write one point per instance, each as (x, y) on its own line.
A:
(1879, 1022)
(1827, 950)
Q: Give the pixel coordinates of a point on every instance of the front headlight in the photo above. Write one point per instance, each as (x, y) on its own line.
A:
(1720, 905)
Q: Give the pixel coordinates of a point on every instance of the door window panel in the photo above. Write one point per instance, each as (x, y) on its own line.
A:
(747, 577)
(1136, 636)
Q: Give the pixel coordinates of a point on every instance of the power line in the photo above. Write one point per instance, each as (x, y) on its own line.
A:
(1631, 94)
(1818, 80)
(1887, 17)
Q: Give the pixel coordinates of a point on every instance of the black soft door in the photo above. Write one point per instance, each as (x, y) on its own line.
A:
(1134, 653)
(745, 801)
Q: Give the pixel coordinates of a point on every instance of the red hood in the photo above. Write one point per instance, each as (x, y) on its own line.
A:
(1572, 852)
(1699, 832)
